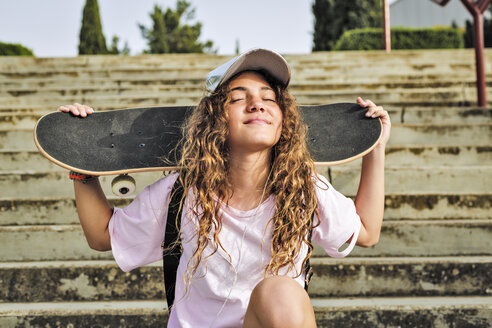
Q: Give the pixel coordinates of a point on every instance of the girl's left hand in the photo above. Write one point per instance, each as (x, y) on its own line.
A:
(378, 111)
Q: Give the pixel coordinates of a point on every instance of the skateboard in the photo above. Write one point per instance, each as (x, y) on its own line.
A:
(120, 142)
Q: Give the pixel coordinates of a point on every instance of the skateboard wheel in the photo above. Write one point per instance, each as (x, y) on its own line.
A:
(123, 185)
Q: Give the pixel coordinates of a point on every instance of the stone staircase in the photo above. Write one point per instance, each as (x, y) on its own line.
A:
(431, 268)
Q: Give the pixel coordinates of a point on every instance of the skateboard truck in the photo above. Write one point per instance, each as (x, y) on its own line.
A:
(123, 185)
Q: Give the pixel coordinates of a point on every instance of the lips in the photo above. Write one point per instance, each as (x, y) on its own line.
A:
(257, 120)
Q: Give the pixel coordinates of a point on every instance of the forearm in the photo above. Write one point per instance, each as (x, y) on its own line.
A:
(94, 213)
(369, 201)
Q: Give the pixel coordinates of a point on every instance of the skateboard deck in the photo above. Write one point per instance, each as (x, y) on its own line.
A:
(138, 139)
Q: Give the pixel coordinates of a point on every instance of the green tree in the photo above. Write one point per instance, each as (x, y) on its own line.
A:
(91, 37)
(115, 50)
(333, 17)
(172, 33)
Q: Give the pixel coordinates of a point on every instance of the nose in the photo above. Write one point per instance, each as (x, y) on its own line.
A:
(256, 105)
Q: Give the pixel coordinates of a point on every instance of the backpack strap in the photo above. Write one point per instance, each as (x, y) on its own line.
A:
(308, 269)
(171, 255)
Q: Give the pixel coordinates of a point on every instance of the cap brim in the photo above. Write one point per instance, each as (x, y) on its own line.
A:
(254, 60)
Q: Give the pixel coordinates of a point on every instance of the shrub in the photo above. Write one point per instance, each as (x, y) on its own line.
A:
(14, 49)
(402, 38)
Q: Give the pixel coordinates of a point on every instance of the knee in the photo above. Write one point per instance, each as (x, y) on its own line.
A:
(281, 302)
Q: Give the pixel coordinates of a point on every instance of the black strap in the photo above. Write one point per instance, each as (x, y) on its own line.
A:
(171, 255)
(308, 269)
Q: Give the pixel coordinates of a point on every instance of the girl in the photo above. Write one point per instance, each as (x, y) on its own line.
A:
(252, 202)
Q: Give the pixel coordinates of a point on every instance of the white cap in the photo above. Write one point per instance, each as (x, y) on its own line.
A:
(251, 60)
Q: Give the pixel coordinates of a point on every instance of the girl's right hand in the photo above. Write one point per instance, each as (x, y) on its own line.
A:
(77, 109)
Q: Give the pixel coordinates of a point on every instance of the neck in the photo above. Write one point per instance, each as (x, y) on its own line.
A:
(249, 174)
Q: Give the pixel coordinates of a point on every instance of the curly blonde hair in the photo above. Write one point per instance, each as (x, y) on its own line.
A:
(204, 166)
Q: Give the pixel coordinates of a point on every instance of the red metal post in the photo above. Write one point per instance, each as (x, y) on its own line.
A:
(479, 60)
(477, 9)
(386, 26)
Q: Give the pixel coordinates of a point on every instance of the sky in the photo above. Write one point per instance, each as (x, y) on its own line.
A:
(51, 27)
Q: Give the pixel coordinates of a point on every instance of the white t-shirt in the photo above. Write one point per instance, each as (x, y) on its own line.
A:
(138, 231)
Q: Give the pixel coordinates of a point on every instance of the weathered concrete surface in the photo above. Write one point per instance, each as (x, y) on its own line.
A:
(430, 238)
(413, 180)
(438, 312)
(438, 206)
(45, 243)
(84, 314)
(145, 97)
(47, 211)
(373, 312)
(420, 276)
(30, 160)
(350, 277)
(57, 184)
(442, 155)
(145, 84)
(480, 134)
(432, 115)
(398, 238)
(78, 281)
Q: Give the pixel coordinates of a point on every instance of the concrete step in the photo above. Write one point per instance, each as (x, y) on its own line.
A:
(351, 277)
(186, 65)
(421, 276)
(399, 180)
(406, 56)
(431, 238)
(433, 115)
(147, 97)
(408, 179)
(398, 238)
(304, 65)
(28, 89)
(400, 56)
(110, 314)
(45, 211)
(438, 206)
(57, 184)
(477, 134)
(62, 211)
(32, 160)
(439, 115)
(429, 155)
(392, 106)
(438, 312)
(46, 243)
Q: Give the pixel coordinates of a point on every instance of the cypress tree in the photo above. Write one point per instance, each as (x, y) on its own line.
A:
(91, 37)
(333, 17)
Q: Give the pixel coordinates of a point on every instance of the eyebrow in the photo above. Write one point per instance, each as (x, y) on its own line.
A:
(244, 89)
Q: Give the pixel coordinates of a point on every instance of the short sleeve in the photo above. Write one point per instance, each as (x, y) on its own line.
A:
(338, 220)
(137, 230)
